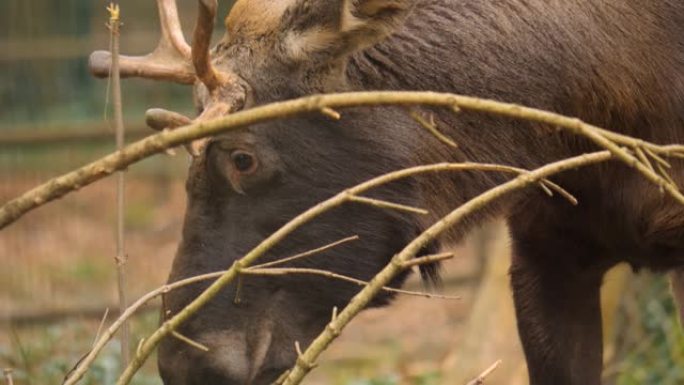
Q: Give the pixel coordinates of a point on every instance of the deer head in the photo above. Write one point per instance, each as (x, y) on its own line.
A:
(245, 184)
(272, 49)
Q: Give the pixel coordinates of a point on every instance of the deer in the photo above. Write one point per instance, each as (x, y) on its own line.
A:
(615, 64)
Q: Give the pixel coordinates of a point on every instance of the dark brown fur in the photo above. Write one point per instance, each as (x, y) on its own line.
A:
(615, 63)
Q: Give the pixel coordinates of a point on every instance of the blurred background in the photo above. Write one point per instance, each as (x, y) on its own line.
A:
(57, 275)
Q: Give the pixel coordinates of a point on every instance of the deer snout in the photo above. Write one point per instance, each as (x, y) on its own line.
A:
(218, 358)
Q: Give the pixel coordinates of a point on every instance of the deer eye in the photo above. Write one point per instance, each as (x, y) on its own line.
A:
(244, 162)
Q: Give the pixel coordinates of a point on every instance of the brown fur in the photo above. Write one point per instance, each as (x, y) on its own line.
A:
(615, 63)
(252, 19)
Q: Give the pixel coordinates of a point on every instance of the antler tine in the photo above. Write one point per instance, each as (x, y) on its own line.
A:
(201, 42)
(172, 33)
(171, 60)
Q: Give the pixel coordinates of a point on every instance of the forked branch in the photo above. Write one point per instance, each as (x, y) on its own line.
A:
(361, 300)
(382, 279)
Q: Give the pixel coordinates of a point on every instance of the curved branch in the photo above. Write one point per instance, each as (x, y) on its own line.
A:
(384, 277)
(337, 200)
(307, 359)
(62, 185)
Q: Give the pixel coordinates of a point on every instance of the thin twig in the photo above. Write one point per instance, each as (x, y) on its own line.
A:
(7, 372)
(643, 158)
(428, 259)
(657, 157)
(561, 191)
(307, 253)
(479, 380)
(77, 373)
(120, 258)
(62, 185)
(663, 172)
(329, 274)
(431, 126)
(102, 323)
(387, 205)
(189, 341)
(332, 114)
(546, 189)
(237, 299)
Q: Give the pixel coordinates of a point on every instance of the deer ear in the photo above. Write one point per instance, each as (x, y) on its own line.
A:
(338, 28)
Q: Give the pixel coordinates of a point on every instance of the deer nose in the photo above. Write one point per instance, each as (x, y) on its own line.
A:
(218, 358)
(230, 358)
(197, 372)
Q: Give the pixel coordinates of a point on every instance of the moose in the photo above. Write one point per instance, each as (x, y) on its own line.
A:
(616, 64)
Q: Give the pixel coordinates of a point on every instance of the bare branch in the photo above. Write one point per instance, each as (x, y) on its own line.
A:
(481, 378)
(101, 341)
(102, 323)
(117, 105)
(190, 342)
(643, 158)
(560, 190)
(383, 278)
(58, 187)
(330, 274)
(7, 372)
(306, 253)
(332, 114)
(655, 156)
(387, 205)
(77, 373)
(428, 259)
(663, 172)
(431, 126)
(361, 300)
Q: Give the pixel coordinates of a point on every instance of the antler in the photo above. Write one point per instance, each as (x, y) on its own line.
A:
(171, 60)
(201, 59)
(175, 60)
